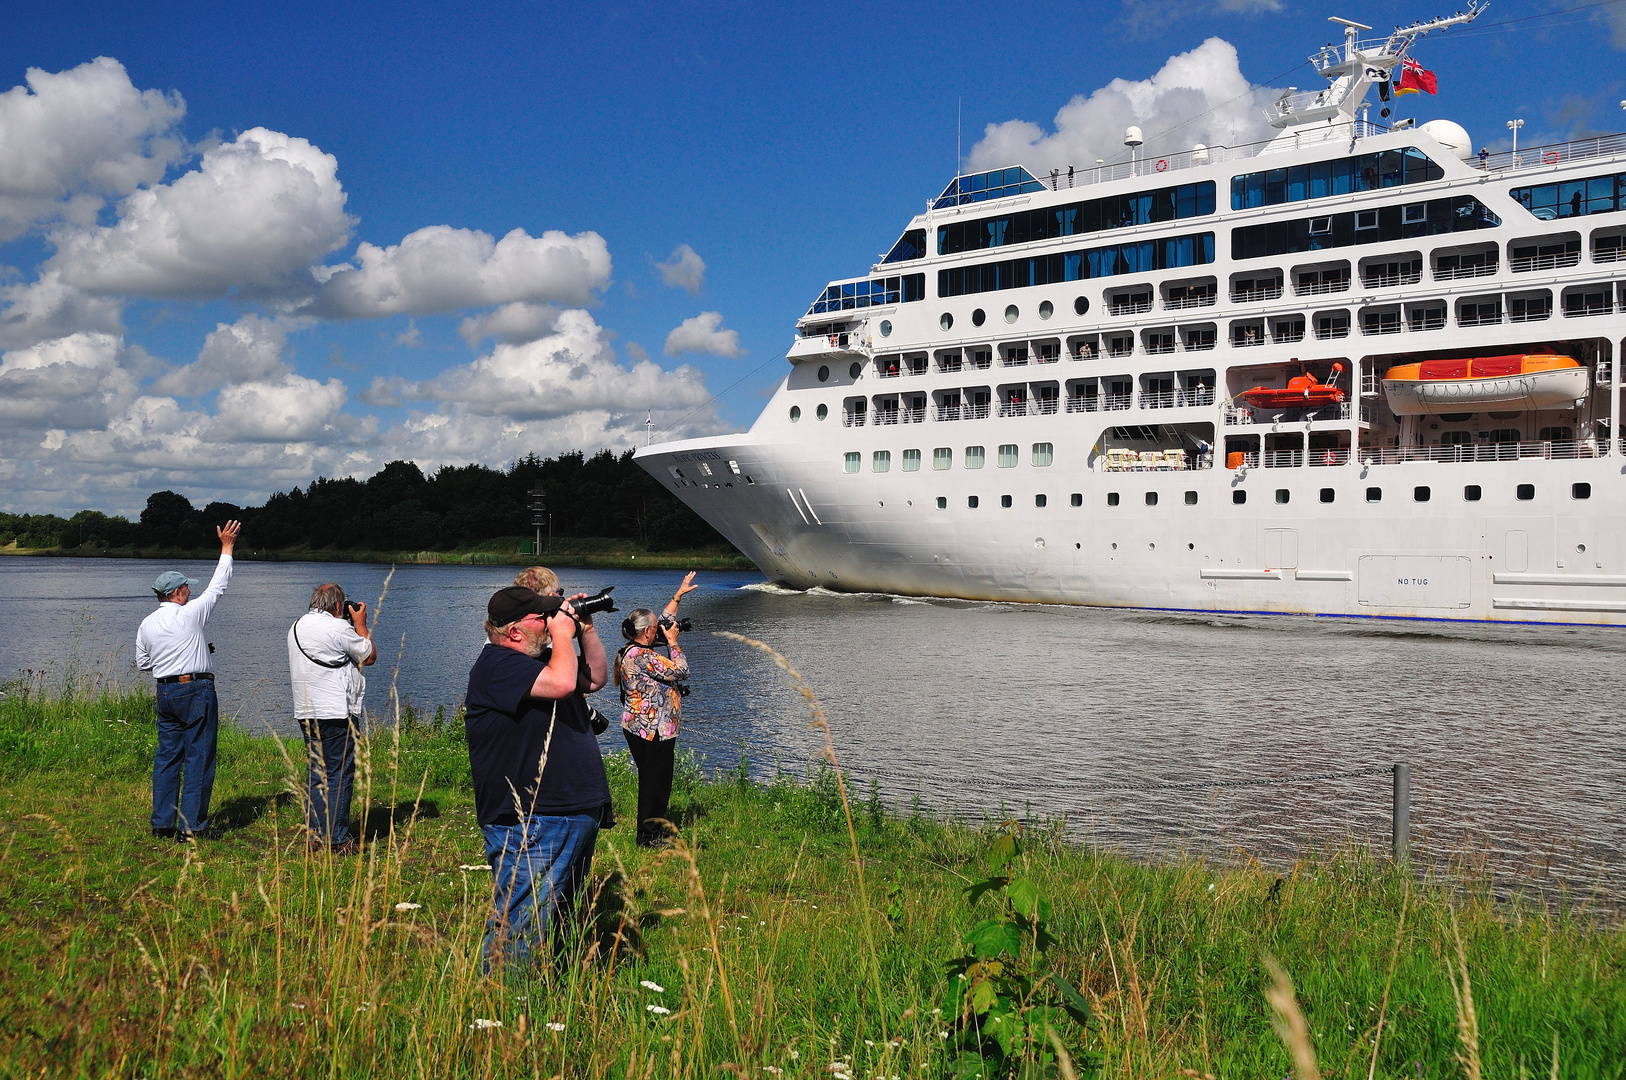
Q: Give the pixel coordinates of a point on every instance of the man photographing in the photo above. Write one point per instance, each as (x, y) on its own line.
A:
(171, 645)
(540, 792)
(327, 648)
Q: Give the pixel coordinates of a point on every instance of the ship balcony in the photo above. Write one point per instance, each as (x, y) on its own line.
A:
(1321, 288)
(1013, 408)
(1045, 406)
(852, 419)
(1129, 307)
(1047, 354)
(1116, 402)
(1459, 273)
(1186, 303)
(1544, 262)
(1083, 403)
(1472, 452)
(1237, 415)
(1390, 281)
(977, 410)
(914, 415)
(1184, 398)
(1245, 296)
(946, 412)
(886, 417)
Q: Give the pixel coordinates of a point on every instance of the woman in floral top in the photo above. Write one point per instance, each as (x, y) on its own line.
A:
(652, 706)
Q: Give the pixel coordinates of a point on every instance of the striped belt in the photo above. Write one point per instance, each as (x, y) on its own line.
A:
(187, 678)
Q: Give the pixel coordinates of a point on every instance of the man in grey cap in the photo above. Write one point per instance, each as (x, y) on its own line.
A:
(171, 645)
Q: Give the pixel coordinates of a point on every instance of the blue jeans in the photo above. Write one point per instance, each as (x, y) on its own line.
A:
(538, 866)
(188, 723)
(330, 758)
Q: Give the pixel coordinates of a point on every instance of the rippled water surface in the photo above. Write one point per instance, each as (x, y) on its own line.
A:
(1514, 734)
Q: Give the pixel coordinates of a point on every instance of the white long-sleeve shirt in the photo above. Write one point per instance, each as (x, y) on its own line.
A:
(170, 641)
(321, 692)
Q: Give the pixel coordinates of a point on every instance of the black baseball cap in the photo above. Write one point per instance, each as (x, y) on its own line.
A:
(512, 604)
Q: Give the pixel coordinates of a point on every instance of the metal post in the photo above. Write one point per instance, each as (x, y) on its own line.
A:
(1402, 814)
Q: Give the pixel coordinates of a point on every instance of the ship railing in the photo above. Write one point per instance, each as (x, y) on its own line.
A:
(1197, 345)
(1389, 281)
(947, 367)
(1458, 273)
(1288, 338)
(1327, 333)
(1430, 321)
(1537, 157)
(1328, 457)
(1116, 402)
(1379, 329)
(1608, 255)
(886, 417)
(1047, 357)
(1474, 452)
(852, 419)
(1123, 460)
(1014, 360)
(947, 412)
(1283, 459)
(1183, 398)
(1129, 307)
(1045, 406)
(1081, 403)
(1158, 348)
(916, 415)
(1120, 350)
(1244, 339)
(1189, 302)
(1243, 296)
(1480, 320)
(1242, 415)
(977, 411)
(1321, 288)
(889, 372)
(1013, 408)
(1580, 309)
(1084, 352)
(1544, 262)
(1540, 315)
(981, 363)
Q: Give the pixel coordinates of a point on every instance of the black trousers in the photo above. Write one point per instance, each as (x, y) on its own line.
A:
(654, 759)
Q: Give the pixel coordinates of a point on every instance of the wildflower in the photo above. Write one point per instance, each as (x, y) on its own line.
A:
(1210, 886)
(484, 1025)
(796, 1055)
(942, 1034)
(937, 1012)
(404, 906)
(647, 985)
(772, 1070)
(659, 1010)
(298, 1005)
(869, 1042)
(555, 1026)
(473, 866)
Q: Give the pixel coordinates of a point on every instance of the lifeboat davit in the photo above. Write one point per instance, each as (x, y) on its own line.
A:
(1302, 392)
(1517, 382)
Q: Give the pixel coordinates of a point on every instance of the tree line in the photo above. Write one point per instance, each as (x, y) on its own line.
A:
(400, 509)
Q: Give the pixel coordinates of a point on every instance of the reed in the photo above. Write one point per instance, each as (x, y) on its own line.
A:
(749, 948)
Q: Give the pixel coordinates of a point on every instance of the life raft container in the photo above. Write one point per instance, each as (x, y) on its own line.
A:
(1302, 392)
(1520, 381)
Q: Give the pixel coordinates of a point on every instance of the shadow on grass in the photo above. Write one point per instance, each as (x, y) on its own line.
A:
(241, 811)
(382, 820)
(615, 934)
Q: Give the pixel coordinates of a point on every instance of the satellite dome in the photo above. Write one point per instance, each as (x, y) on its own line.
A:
(1451, 135)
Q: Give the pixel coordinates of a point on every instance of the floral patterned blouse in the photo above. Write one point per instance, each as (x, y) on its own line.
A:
(652, 705)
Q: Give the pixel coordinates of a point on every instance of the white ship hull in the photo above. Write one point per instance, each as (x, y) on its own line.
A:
(1089, 448)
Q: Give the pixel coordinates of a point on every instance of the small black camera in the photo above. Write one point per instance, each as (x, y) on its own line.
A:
(351, 607)
(683, 625)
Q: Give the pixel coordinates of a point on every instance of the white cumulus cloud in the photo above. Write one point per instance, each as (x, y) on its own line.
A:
(512, 323)
(704, 334)
(291, 409)
(254, 216)
(440, 268)
(1206, 84)
(71, 139)
(245, 351)
(683, 269)
(48, 308)
(71, 382)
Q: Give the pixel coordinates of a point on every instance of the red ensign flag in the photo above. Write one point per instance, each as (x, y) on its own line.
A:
(1415, 77)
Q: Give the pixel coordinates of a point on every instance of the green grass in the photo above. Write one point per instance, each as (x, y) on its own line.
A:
(121, 955)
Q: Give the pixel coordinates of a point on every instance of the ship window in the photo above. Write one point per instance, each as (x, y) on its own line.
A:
(1526, 492)
(1374, 494)
(942, 503)
(1321, 226)
(881, 461)
(975, 457)
(1072, 219)
(1012, 313)
(911, 461)
(1151, 498)
(1046, 309)
(1005, 501)
(971, 501)
(795, 413)
(1112, 498)
(1081, 304)
(1043, 454)
(1413, 214)
(1580, 491)
(1135, 257)
(1328, 495)
(823, 411)
(1041, 500)
(1191, 498)
(942, 458)
(1078, 498)
(1283, 495)
(978, 317)
(852, 461)
(824, 373)
(1239, 496)
(1007, 455)
(911, 245)
(1420, 494)
(1574, 198)
(1366, 219)
(1471, 493)
(855, 369)
(946, 321)
(886, 327)
(1459, 213)
(1339, 176)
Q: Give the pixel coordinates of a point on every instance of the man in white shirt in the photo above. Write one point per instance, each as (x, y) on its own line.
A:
(171, 645)
(327, 648)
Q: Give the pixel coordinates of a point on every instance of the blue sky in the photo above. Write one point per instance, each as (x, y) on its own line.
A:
(161, 326)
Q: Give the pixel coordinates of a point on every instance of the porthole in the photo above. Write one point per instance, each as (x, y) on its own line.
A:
(971, 501)
(1374, 494)
(1012, 314)
(1283, 495)
(1420, 494)
(1005, 501)
(978, 317)
(886, 327)
(1191, 498)
(1114, 547)
(823, 411)
(1580, 491)
(1191, 547)
(1328, 495)
(1078, 498)
(942, 502)
(1525, 492)
(1041, 500)
(795, 413)
(1239, 496)
(1046, 309)
(1472, 493)
(1151, 547)
(945, 321)
(1081, 305)
(1580, 549)
(855, 370)
(824, 373)
(1112, 498)
(1151, 498)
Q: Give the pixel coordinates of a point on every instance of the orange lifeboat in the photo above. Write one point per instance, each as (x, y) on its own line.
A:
(1540, 381)
(1302, 392)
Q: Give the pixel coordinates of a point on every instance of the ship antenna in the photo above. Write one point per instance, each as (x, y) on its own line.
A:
(959, 111)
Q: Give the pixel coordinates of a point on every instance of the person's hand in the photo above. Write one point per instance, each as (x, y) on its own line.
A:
(585, 620)
(562, 623)
(228, 535)
(687, 587)
(358, 616)
(671, 631)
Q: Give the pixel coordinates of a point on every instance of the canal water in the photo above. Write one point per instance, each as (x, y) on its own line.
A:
(1136, 727)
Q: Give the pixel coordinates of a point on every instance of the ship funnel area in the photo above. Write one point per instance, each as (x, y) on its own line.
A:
(1352, 70)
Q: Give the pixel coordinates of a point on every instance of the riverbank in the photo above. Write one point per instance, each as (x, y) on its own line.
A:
(580, 552)
(753, 947)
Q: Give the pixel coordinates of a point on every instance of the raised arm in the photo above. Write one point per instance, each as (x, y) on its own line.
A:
(197, 609)
(558, 679)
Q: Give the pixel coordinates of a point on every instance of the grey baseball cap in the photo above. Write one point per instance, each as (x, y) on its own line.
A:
(169, 581)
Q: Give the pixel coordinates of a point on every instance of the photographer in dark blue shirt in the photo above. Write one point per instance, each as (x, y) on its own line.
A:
(539, 787)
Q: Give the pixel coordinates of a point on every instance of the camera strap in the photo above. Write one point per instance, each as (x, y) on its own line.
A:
(346, 662)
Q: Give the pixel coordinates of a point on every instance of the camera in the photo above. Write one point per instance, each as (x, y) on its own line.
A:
(592, 605)
(683, 625)
(351, 607)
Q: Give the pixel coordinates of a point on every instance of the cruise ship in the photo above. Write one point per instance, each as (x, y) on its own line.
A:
(1358, 369)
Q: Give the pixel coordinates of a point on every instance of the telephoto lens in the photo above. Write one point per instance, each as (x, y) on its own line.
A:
(683, 625)
(592, 605)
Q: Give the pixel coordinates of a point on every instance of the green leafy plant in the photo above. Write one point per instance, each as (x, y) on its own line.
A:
(1005, 1010)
